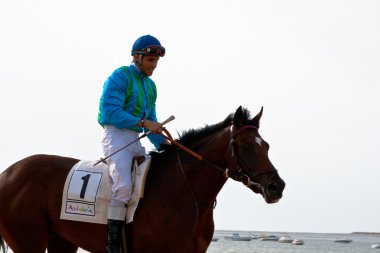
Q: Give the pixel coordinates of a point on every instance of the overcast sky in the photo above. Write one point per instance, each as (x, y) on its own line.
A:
(313, 65)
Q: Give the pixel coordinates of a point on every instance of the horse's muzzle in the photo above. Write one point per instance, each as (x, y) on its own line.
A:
(272, 192)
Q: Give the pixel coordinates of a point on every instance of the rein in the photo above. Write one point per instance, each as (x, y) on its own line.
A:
(240, 177)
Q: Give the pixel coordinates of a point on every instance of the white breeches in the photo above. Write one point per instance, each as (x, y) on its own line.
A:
(120, 164)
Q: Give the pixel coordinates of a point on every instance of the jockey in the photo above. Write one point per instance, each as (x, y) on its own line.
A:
(127, 108)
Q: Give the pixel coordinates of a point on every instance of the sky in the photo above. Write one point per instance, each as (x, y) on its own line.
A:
(313, 66)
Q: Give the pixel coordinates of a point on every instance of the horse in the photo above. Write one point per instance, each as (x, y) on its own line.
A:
(176, 212)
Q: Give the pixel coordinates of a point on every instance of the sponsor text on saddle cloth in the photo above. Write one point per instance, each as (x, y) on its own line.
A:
(87, 191)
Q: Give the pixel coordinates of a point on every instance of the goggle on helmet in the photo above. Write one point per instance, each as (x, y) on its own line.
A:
(152, 50)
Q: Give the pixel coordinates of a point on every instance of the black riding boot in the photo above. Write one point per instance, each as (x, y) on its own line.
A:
(114, 235)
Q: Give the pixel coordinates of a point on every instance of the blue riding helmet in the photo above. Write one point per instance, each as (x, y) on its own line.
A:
(148, 45)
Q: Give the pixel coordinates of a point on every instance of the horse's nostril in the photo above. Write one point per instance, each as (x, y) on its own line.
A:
(276, 187)
(272, 187)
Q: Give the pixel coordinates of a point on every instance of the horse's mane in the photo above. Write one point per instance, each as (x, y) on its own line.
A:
(191, 136)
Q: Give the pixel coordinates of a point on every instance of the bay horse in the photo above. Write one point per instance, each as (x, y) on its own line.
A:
(176, 213)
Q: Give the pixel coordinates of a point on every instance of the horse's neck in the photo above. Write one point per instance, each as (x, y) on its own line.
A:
(205, 179)
(216, 148)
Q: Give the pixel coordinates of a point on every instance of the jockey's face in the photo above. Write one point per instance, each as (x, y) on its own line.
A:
(147, 64)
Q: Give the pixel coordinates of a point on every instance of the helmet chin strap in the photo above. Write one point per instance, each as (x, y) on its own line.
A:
(140, 60)
(139, 63)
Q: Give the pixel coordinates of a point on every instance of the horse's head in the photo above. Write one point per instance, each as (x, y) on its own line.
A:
(250, 158)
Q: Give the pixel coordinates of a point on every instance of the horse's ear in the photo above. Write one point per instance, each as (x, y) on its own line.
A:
(238, 116)
(256, 119)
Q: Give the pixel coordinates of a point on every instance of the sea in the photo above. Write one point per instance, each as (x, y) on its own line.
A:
(313, 243)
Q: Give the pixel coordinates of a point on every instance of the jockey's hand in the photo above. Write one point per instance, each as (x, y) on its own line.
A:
(153, 127)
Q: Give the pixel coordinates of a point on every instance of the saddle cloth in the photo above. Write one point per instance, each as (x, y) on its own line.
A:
(87, 191)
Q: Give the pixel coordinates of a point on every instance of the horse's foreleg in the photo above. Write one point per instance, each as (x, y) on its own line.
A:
(205, 233)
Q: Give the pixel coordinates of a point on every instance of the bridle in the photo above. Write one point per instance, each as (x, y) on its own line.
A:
(232, 150)
(242, 177)
(239, 175)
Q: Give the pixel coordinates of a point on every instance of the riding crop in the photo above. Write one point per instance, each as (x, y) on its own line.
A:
(103, 160)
